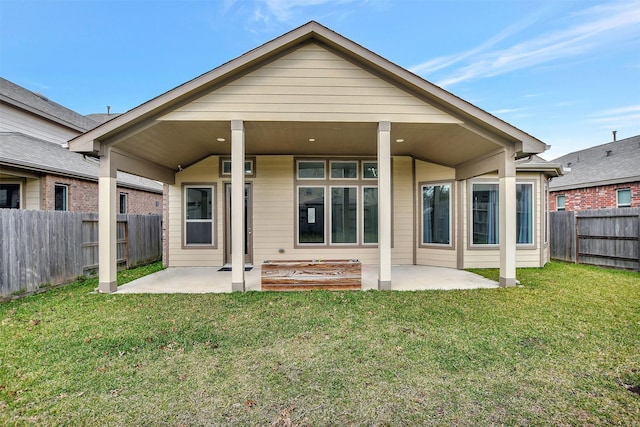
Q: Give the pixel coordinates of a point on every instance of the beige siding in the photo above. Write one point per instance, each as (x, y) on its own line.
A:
(310, 84)
(403, 235)
(14, 120)
(205, 171)
(32, 194)
(440, 257)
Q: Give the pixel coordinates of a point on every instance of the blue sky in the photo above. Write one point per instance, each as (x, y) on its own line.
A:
(567, 72)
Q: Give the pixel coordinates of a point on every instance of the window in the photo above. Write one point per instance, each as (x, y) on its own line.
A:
(624, 198)
(60, 197)
(560, 202)
(226, 167)
(10, 196)
(198, 214)
(524, 213)
(436, 214)
(123, 203)
(344, 215)
(344, 170)
(370, 215)
(369, 170)
(313, 169)
(310, 215)
(546, 212)
(484, 214)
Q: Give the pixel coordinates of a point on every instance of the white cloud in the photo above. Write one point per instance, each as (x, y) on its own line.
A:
(593, 29)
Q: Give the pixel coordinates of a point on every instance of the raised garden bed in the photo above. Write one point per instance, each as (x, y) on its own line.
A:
(285, 275)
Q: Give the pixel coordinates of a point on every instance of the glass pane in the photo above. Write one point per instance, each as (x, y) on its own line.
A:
(308, 169)
(344, 215)
(370, 214)
(485, 214)
(199, 203)
(199, 233)
(10, 196)
(60, 198)
(310, 215)
(524, 213)
(560, 203)
(370, 170)
(347, 170)
(624, 197)
(248, 167)
(226, 167)
(435, 214)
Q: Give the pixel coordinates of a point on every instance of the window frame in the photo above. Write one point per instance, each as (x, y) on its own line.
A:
(297, 170)
(533, 242)
(126, 203)
(20, 193)
(251, 160)
(361, 207)
(297, 210)
(357, 165)
(213, 220)
(65, 187)
(421, 242)
(362, 168)
(357, 228)
(471, 244)
(618, 191)
(564, 202)
(545, 211)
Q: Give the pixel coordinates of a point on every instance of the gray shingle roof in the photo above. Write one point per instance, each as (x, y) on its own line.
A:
(23, 98)
(611, 163)
(101, 118)
(19, 150)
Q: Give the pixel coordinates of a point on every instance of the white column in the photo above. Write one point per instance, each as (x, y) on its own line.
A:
(107, 278)
(237, 206)
(507, 215)
(384, 205)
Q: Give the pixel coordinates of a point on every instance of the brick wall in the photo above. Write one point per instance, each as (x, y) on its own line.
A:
(601, 197)
(82, 196)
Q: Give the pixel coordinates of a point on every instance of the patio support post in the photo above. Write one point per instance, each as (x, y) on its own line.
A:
(107, 250)
(384, 205)
(507, 218)
(237, 206)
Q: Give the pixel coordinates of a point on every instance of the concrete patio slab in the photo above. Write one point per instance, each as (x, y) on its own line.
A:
(210, 280)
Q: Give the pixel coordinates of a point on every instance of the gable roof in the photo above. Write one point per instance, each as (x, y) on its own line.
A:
(536, 163)
(310, 32)
(23, 151)
(611, 163)
(40, 105)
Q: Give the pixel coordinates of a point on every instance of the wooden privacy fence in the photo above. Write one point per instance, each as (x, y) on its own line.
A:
(40, 248)
(604, 237)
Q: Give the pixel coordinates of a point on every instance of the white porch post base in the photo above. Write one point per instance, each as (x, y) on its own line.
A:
(237, 206)
(384, 205)
(107, 249)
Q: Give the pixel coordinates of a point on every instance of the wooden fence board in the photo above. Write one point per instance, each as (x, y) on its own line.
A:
(49, 248)
(562, 238)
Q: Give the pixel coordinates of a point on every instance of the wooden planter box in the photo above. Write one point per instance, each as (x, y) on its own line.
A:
(340, 274)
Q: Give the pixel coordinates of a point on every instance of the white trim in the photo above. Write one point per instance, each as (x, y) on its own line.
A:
(356, 178)
(626, 205)
(185, 220)
(470, 203)
(564, 202)
(357, 242)
(324, 218)
(324, 175)
(361, 207)
(434, 184)
(362, 162)
(531, 244)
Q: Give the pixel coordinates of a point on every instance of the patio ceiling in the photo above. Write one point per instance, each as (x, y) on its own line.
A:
(173, 143)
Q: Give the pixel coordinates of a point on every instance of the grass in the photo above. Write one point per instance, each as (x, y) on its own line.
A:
(563, 349)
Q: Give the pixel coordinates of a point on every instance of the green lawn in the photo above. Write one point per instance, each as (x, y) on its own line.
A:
(563, 349)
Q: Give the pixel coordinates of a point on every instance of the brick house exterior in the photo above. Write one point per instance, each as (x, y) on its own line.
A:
(600, 177)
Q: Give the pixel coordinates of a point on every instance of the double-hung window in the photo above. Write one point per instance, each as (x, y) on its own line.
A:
(560, 200)
(436, 214)
(198, 215)
(60, 197)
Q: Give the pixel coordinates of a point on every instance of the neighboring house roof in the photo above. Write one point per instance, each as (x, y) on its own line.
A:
(538, 164)
(101, 118)
(23, 151)
(472, 117)
(40, 105)
(612, 163)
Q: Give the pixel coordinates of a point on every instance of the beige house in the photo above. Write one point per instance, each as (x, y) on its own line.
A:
(313, 147)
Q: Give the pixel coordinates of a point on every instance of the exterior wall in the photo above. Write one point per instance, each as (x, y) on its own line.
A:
(274, 216)
(32, 193)
(526, 255)
(601, 197)
(14, 120)
(435, 255)
(311, 83)
(82, 196)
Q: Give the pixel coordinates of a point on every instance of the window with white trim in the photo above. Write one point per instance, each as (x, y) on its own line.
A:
(623, 198)
(344, 215)
(524, 213)
(436, 214)
(198, 215)
(61, 193)
(484, 213)
(123, 203)
(560, 201)
(9, 196)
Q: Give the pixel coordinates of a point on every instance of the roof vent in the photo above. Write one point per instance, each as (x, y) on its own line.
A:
(569, 164)
(614, 132)
(609, 152)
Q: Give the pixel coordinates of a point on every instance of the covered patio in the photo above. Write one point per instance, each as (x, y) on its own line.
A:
(201, 280)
